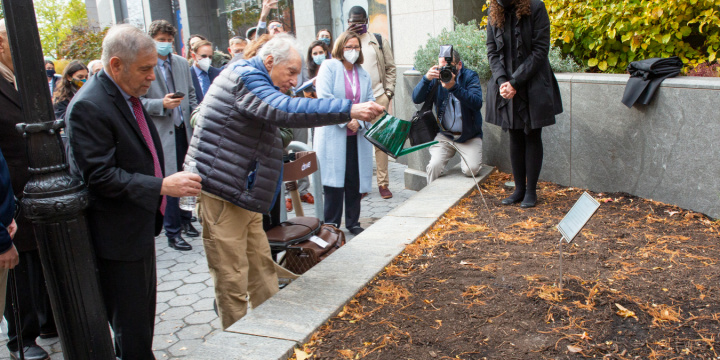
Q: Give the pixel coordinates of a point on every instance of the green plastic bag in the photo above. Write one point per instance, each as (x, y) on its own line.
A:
(389, 135)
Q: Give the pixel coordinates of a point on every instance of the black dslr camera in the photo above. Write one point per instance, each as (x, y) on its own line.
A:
(447, 71)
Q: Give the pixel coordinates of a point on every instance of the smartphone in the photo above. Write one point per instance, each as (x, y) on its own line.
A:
(177, 95)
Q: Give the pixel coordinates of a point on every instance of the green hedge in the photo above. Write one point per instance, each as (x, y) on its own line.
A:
(469, 40)
(609, 34)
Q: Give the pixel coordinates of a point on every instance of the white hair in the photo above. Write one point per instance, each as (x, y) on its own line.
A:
(92, 64)
(125, 41)
(279, 47)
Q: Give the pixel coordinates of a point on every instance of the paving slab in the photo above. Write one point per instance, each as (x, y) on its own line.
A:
(229, 346)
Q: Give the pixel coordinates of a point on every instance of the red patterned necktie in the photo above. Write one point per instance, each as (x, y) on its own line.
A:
(145, 130)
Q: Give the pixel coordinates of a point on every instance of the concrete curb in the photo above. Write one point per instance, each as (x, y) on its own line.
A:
(274, 329)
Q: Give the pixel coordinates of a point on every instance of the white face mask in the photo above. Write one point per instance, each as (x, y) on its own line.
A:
(204, 64)
(351, 55)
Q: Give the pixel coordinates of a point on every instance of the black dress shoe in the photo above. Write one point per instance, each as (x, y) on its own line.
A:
(49, 334)
(516, 197)
(190, 230)
(356, 230)
(530, 200)
(193, 219)
(178, 243)
(32, 352)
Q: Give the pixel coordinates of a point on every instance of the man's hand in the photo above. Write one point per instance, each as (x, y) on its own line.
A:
(450, 84)
(366, 111)
(353, 125)
(12, 229)
(433, 73)
(181, 184)
(266, 7)
(10, 258)
(507, 91)
(170, 103)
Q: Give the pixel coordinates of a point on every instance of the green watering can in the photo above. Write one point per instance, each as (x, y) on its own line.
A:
(389, 135)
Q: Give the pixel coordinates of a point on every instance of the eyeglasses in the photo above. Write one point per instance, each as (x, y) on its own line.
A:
(351, 48)
(274, 26)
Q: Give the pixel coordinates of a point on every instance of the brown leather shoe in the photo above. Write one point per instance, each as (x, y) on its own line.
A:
(288, 205)
(385, 192)
(308, 198)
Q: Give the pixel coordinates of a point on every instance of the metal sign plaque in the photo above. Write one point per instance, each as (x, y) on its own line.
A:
(576, 218)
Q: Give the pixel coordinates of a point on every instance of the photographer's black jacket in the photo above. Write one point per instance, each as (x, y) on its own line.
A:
(467, 90)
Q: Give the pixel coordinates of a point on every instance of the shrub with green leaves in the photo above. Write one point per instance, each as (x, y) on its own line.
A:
(469, 40)
(609, 34)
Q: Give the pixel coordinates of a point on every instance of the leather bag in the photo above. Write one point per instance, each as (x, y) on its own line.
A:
(294, 237)
(301, 257)
(424, 126)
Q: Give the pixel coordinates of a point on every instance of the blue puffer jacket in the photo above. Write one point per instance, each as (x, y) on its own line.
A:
(236, 142)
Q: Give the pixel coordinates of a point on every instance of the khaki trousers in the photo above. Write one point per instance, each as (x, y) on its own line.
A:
(442, 152)
(381, 158)
(3, 287)
(238, 256)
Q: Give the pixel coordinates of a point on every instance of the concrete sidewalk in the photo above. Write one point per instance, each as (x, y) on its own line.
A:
(185, 317)
(290, 317)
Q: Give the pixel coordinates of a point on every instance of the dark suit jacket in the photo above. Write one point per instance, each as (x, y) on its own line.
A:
(108, 150)
(212, 74)
(15, 151)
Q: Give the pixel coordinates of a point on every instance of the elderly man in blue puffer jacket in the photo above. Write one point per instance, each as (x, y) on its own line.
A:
(238, 151)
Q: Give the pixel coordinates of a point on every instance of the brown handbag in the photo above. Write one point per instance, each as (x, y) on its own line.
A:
(301, 257)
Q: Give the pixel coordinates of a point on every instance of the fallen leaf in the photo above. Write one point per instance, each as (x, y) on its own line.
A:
(301, 355)
(624, 312)
(183, 348)
(574, 349)
(463, 262)
(672, 212)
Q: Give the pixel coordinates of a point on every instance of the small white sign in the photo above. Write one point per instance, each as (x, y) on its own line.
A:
(576, 218)
(322, 243)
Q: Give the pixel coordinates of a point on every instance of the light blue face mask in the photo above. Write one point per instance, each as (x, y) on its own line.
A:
(163, 48)
(326, 41)
(318, 59)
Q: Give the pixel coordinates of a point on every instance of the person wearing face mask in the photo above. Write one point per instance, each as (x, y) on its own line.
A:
(523, 93)
(237, 46)
(317, 53)
(73, 78)
(170, 101)
(241, 170)
(380, 64)
(53, 78)
(343, 153)
(203, 74)
(325, 36)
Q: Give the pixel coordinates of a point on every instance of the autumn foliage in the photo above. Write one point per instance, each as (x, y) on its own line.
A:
(609, 34)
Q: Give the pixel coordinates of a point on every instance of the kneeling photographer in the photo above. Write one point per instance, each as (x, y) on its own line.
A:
(457, 96)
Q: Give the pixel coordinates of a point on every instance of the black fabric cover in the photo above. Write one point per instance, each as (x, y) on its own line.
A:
(646, 76)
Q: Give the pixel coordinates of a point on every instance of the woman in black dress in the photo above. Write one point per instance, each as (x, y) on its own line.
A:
(523, 94)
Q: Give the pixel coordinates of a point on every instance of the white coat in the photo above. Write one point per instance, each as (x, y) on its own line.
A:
(330, 142)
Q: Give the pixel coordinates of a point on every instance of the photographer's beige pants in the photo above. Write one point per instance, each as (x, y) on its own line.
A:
(442, 152)
(381, 158)
(238, 256)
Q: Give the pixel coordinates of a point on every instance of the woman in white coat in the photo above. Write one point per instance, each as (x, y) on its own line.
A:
(345, 156)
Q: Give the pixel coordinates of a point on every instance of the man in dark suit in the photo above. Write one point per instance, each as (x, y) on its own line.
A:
(116, 149)
(35, 315)
(203, 74)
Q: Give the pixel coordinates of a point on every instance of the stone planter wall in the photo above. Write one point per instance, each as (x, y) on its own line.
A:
(667, 151)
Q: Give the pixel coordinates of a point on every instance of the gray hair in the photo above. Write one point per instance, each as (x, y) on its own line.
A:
(279, 47)
(92, 64)
(125, 41)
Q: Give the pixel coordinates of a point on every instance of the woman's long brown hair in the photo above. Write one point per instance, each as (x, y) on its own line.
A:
(497, 12)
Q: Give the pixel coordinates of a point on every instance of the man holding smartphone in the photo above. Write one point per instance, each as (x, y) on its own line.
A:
(170, 101)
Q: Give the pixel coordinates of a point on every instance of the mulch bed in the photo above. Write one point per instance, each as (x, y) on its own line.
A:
(642, 281)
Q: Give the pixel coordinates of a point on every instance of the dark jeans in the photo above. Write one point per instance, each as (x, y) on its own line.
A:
(350, 193)
(34, 303)
(174, 217)
(129, 290)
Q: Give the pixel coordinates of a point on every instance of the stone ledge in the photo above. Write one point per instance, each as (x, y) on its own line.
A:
(292, 316)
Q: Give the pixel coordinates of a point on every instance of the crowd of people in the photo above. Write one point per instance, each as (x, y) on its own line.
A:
(136, 117)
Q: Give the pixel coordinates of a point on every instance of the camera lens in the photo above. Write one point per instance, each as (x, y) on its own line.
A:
(446, 74)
